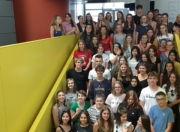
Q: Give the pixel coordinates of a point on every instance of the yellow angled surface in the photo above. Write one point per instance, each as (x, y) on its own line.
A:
(28, 72)
(177, 44)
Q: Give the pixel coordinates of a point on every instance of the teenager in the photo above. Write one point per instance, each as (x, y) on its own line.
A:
(153, 23)
(89, 20)
(151, 37)
(162, 47)
(94, 45)
(143, 124)
(127, 45)
(80, 24)
(120, 19)
(56, 27)
(119, 35)
(108, 18)
(138, 15)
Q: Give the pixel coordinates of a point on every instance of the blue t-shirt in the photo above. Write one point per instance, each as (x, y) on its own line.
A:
(57, 33)
(160, 118)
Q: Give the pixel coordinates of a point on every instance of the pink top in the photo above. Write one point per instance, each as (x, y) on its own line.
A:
(143, 49)
(67, 27)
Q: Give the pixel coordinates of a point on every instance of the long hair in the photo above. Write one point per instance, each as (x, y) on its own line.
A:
(128, 73)
(101, 120)
(122, 87)
(122, 18)
(67, 88)
(87, 116)
(106, 16)
(64, 103)
(89, 22)
(147, 21)
(85, 50)
(153, 19)
(120, 48)
(85, 32)
(125, 45)
(165, 26)
(53, 22)
(138, 53)
(152, 38)
(92, 45)
(64, 112)
(135, 104)
(72, 22)
(175, 54)
(126, 24)
(177, 85)
(120, 111)
(100, 34)
(146, 122)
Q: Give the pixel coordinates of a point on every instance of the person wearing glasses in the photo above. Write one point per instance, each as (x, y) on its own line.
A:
(160, 115)
(172, 88)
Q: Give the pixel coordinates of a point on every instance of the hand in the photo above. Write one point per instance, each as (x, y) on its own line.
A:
(74, 29)
(78, 110)
(118, 52)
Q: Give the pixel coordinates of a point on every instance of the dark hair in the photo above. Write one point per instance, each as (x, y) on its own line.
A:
(119, 46)
(160, 93)
(156, 9)
(98, 56)
(165, 14)
(81, 92)
(60, 91)
(106, 16)
(126, 25)
(84, 34)
(163, 40)
(67, 88)
(85, 50)
(153, 47)
(122, 19)
(177, 84)
(146, 36)
(87, 116)
(152, 38)
(146, 122)
(139, 6)
(64, 112)
(141, 63)
(79, 16)
(100, 67)
(175, 53)
(72, 22)
(148, 58)
(138, 53)
(120, 111)
(152, 13)
(91, 22)
(100, 34)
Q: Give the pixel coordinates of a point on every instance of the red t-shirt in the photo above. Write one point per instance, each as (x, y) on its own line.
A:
(159, 52)
(106, 43)
(81, 54)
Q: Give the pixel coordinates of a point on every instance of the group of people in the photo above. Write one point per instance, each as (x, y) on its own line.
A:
(126, 75)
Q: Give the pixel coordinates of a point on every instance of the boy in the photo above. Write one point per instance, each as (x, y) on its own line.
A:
(137, 17)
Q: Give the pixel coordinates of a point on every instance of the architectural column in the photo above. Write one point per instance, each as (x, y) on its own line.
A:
(145, 4)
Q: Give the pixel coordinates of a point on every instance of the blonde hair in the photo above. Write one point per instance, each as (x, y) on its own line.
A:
(122, 87)
(53, 22)
(147, 20)
(125, 45)
(128, 73)
(165, 26)
(177, 18)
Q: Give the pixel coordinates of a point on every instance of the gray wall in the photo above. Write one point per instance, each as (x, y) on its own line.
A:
(7, 24)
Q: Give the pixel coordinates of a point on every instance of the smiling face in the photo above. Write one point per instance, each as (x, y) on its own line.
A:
(70, 84)
(123, 118)
(172, 78)
(99, 102)
(123, 68)
(142, 69)
(117, 88)
(58, 20)
(65, 118)
(81, 98)
(169, 67)
(61, 97)
(133, 82)
(83, 119)
(105, 115)
(103, 31)
(81, 46)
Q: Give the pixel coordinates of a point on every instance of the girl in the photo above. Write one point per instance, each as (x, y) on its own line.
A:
(65, 122)
(127, 45)
(144, 44)
(119, 36)
(134, 110)
(89, 20)
(121, 124)
(120, 18)
(113, 57)
(81, 25)
(133, 60)
(173, 57)
(143, 124)
(162, 47)
(151, 38)
(109, 20)
(150, 16)
(59, 107)
(94, 111)
(116, 97)
(130, 26)
(100, 49)
(105, 123)
(163, 34)
(83, 53)
(79, 106)
(155, 65)
(105, 40)
(84, 124)
(172, 88)
(123, 75)
(94, 45)
(71, 95)
(99, 23)
(143, 75)
(134, 85)
(56, 26)
(69, 26)
(169, 67)
(164, 55)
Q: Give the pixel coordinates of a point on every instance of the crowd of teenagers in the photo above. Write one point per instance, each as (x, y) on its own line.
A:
(126, 74)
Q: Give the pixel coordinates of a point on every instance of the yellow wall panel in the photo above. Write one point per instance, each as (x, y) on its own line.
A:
(177, 44)
(28, 73)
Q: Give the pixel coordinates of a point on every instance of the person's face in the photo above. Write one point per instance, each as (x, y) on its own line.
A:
(88, 17)
(70, 84)
(172, 57)
(150, 15)
(122, 60)
(123, 118)
(108, 16)
(81, 19)
(105, 115)
(172, 78)
(159, 18)
(58, 20)
(129, 18)
(152, 80)
(83, 119)
(103, 31)
(61, 97)
(164, 18)
(163, 44)
(94, 40)
(116, 49)
(161, 100)
(134, 52)
(99, 103)
(118, 28)
(99, 72)
(81, 97)
(142, 69)
(129, 39)
(100, 17)
(78, 64)
(123, 68)
(144, 19)
(103, 23)
(156, 13)
(88, 29)
(139, 122)
(169, 46)
(68, 18)
(100, 49)
(81, 46)
(151, 52)
(175, 28)
(163, 29)
(117, 88)
(150, 33)
(130, 100)
(119, 15)
(144, 58)
(65, 118)
(169, 67)
(98, 61)
(134, 82)
(144, 39)
(139, 10)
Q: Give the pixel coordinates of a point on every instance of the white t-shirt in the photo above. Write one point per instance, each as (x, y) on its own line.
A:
(169, 94)
(93, 75)
(120, 128)
(148, 96)
(111, 56)
(169, 37)
(132, 64)
(114, 101)
(105, 59)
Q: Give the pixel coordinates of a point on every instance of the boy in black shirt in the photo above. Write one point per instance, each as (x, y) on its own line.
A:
(137, 17)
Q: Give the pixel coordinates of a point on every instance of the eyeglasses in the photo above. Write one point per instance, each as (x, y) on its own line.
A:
(172, 93)
(162, 99)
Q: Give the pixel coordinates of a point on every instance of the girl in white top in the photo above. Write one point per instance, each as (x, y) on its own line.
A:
(119, 36)
(127, 45)
(121, 124)
(116, 97)
(164, 34)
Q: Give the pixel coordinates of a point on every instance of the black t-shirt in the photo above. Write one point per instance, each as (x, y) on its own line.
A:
(137, 19)
(124, 82)
(80, 78)
(78, 128)
(87, 38)
(155, 65)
